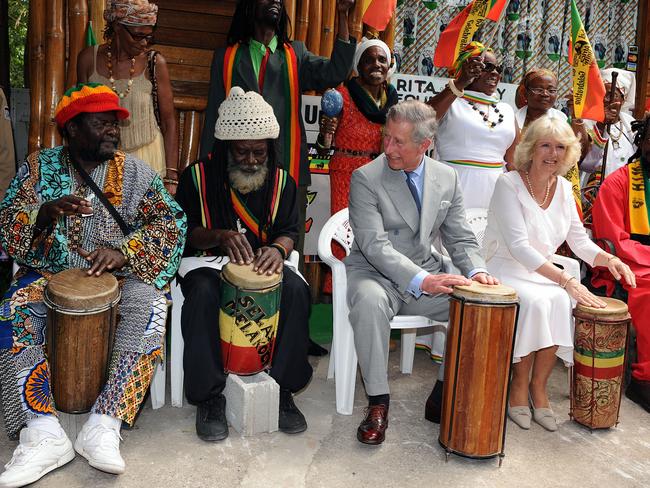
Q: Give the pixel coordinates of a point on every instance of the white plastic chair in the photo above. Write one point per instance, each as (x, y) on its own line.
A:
(177, 342)
(343, 355)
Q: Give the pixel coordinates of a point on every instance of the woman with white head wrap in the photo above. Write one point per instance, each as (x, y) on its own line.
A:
(620, 137)
(357, 131)
(140, 78)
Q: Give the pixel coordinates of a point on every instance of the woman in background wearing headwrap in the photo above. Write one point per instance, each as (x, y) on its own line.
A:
(140, 78)
(478, 133)
(536, 96)
(357, 131)
(620, 137)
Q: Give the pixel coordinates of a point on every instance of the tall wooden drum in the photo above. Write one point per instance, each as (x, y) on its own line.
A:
(82, 315)
(478, 358)
(248, 318)
(600, 347)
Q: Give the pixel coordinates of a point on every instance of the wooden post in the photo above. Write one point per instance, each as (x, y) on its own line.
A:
(5, 57)
(388, 36)
(54, 68)
(302, 20)
(36, 60)
(77, 20)
(96, 15)
(327, 27)
(643, 64)
(290, 7)
(355, 22)
(313, 35)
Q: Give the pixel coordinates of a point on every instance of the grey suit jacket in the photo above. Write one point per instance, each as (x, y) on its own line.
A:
(390, 238)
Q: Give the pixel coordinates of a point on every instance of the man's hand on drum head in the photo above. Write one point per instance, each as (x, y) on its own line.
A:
(238, 248)
(485, 279)
(103, 260)
(442, 283)
(268, 260)
(67, 205)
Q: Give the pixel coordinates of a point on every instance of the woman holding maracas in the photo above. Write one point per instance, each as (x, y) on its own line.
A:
(356, 132)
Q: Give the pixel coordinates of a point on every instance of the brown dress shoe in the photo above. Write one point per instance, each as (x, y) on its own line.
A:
(372, 428)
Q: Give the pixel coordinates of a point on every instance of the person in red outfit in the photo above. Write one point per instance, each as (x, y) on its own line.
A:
(621, 214)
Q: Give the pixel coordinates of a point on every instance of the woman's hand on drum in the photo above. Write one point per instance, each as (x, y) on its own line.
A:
(237, 246)
(103, 259)
(620, 270)
(485, 279)
(582, 295)
(268, 260)
(442, 283)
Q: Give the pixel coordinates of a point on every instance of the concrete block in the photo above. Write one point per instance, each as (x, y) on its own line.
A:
(252, 403)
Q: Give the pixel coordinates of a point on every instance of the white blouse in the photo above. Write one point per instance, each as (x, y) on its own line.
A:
(518, 228)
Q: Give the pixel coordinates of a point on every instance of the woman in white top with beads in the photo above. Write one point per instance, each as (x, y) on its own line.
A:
(532, 212)
(477, 133)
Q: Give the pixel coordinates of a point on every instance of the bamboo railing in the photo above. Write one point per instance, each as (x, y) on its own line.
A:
(36, 44)
(77, 21)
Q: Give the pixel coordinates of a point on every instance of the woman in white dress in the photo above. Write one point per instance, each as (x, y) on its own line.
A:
(477, 132)
(532, 212)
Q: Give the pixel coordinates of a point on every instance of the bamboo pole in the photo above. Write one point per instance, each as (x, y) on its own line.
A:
(302, 20)
(355, 23)
(388, 36)
(313, 35)
(290, 7)
(54, 68)
(96, 15)
(77, 20)
(327, 27)
(36, 60)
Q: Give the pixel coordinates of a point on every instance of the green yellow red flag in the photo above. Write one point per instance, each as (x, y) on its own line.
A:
(377, 13)
(460, 31)
(588, 87)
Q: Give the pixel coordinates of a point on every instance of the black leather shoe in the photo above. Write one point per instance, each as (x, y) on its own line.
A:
(639, 392)
(211, 424)
(316, 349)
(433, 407)
(290, 419)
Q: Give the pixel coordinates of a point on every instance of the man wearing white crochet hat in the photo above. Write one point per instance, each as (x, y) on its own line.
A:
(249, 214)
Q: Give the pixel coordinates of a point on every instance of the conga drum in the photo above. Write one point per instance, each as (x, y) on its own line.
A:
(599, 354)
(248, 318)
(478, 358)
(81, 321)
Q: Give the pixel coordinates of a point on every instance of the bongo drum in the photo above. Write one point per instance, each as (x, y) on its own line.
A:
(248, 318)
(478, 358)
(81, 320)
(599, 354)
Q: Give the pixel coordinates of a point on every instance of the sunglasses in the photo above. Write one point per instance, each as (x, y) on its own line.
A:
(541, 91)
(490, 67)
(138, 37)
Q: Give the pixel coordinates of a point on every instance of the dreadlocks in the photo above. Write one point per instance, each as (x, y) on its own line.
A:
(641, 127)
(220, 196)
(241, 28)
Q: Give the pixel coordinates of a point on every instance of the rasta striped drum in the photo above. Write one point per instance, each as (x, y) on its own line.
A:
(248, 318)
(600, 347)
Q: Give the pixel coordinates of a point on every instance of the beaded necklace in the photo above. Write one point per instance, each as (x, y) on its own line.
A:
(532, 193)
(109, 65)
(486, 115)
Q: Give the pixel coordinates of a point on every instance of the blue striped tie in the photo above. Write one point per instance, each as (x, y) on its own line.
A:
(414, 190)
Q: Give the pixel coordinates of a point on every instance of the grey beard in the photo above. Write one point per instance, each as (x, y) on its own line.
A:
(246, 181)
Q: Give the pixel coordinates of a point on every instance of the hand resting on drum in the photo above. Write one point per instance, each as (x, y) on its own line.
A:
(485, 279)
(236, 246)
(268, 260)
(103, 259)
(442, 283)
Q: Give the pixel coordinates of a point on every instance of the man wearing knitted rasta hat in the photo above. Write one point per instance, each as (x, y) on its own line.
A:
(83, 205)
(250, 215)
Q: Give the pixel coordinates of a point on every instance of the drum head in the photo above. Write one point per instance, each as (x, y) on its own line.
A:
(486, 293)
(616, 309)
(243, 276)
(73, 289)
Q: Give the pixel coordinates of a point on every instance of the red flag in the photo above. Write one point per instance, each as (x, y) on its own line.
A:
(496, 7)
(377, 13)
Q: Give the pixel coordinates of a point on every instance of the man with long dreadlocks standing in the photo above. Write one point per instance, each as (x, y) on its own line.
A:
(621, 214)
(241, 216)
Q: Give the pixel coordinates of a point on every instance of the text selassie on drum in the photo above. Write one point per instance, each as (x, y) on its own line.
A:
(478, 358)
(248, 318)
(600, 347)
(81, 321)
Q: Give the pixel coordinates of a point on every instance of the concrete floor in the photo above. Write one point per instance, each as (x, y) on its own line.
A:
(163, 449)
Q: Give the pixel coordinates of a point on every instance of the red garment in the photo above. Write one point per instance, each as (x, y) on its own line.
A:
(611, 220)
(354, 133)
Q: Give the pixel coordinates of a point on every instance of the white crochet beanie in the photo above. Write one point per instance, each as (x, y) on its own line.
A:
(245, 116)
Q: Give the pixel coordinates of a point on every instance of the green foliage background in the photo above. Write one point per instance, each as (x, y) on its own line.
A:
(18, 19)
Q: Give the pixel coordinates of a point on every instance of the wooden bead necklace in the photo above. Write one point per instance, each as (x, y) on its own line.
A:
(490, 123)
(109, 65)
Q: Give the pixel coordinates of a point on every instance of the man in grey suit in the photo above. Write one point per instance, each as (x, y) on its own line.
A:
(400, 203)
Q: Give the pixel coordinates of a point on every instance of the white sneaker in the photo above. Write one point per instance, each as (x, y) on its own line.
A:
(100, 445)
(37, 454)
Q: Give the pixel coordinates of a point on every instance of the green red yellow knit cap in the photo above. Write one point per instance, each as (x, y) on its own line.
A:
(88, 98)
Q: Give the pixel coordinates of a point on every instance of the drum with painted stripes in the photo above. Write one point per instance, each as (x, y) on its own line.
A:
(600, 347)
(248, 318)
